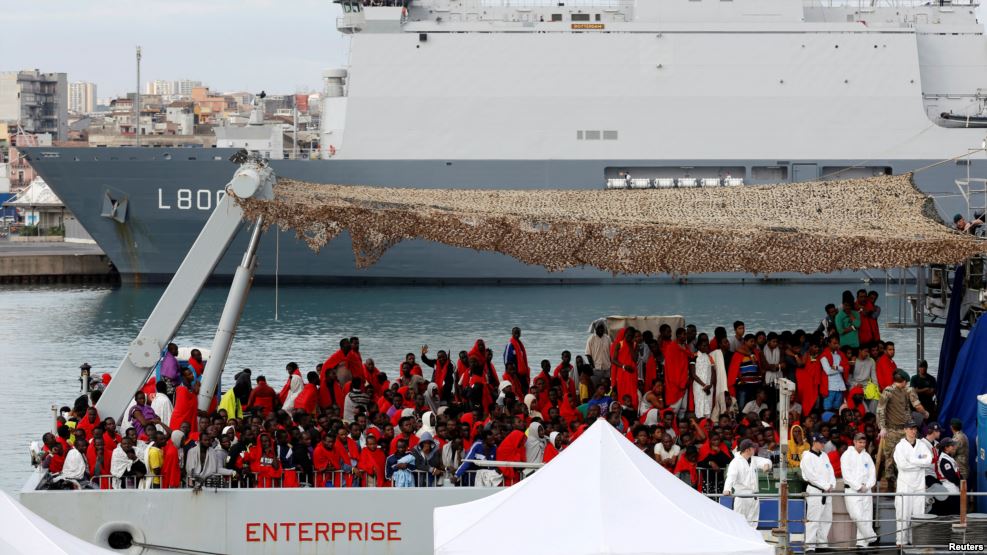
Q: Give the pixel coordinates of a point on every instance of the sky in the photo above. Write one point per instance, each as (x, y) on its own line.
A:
(281, 46)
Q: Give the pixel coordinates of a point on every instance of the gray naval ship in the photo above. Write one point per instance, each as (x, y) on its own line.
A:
(575, 94)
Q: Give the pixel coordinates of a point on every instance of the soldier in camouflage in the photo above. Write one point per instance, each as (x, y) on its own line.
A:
(894, 410)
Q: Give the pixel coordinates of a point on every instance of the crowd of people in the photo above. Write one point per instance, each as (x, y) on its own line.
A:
(701, 405)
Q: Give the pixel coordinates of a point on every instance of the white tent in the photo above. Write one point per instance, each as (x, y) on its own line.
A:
(602, 495)
(22, 532)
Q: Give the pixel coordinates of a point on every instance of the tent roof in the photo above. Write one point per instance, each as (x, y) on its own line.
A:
(24, 532)
(601, 495)
(801, 227)
(37, 194)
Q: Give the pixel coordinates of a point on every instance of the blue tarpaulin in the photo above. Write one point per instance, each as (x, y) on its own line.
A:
(968, 380)
(952, 341)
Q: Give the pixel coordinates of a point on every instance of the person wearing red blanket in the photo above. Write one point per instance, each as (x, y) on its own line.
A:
(886, 367)
(618, 338)
(511, 376)
(98, 458)
(553, 447)
(186, 402)
(331, 392)
(566, 373)
(568, 409)
(308, 399)
(515, 352)
(512, 449)
(371, 464)
(409, 368)
(196, 362)
(686, 465)
(88, 422)
(745, 375)
(624, 364)
(262, 397)
(406, 425)
(810, 380)
(293, 370)
(326, 461)
(354, 361)
(869, 331)
(442, 374)
(651, 354)
(677, 362)
(111, 438)
(262, 459)
(335, 360)
(171, 472)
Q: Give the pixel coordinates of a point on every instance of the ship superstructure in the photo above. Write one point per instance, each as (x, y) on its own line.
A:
(588, 94)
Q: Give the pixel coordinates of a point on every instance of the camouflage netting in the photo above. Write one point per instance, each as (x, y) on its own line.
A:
(882, 222)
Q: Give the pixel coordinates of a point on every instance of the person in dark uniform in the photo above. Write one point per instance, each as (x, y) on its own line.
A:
(950, 477)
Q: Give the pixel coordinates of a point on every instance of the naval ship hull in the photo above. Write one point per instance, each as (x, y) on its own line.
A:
(169, 193)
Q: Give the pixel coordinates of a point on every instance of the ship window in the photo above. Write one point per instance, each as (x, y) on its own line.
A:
(167, 156)
(597, 17)
(769, 173)
(592, 135)
(580, 17)
(579, 135)
(556, 17)
(609, 135)
(191, 157)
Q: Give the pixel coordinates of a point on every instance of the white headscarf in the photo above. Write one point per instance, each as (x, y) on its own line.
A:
(429, 399)
(552, 437)
(176, 437)
(529, 401)
(534, 447)
(427, 426)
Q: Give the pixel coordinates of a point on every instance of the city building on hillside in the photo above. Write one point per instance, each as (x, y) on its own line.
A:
(181, 114)
(36, 101)
(82, 97)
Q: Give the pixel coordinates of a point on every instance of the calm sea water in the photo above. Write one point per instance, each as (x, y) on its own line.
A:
(47, 332)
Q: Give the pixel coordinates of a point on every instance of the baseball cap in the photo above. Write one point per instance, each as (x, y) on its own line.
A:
(859, 435)
(818, 437)
(910, 424)
(746, 444)
(900, 375)
(932, 427)
(947, 442)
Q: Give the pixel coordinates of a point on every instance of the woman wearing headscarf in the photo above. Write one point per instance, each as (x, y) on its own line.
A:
(530, 401)
(428, 425)
(534, 446)
(432, 398)
(552, 447)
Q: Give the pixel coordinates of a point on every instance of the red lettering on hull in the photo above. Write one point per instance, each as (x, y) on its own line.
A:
(349, 531)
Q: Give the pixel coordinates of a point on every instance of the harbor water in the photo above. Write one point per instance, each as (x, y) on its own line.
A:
(49, 331)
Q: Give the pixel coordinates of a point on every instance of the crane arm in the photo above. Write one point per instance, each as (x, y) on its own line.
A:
(253, 179)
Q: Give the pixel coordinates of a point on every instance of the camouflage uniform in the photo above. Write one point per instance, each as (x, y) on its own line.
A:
(894, 410)
(962, 453)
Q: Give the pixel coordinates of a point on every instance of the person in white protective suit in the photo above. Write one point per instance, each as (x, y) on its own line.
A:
(742, 479)
(912, 457)
(819, 479)
(859, 476)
